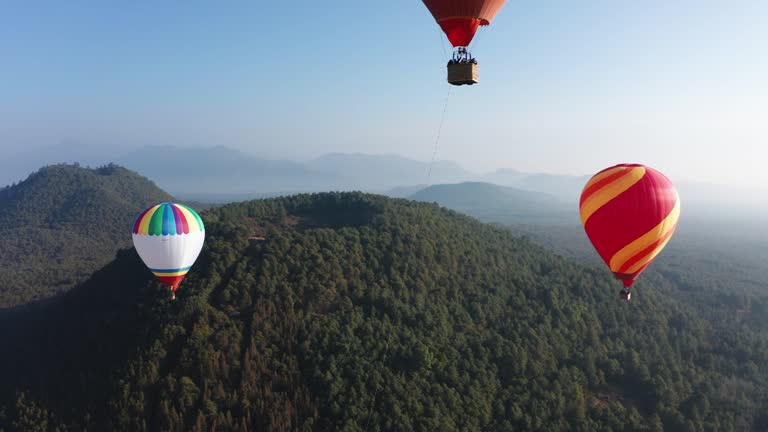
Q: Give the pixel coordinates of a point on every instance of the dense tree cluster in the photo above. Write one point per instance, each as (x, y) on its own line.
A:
(361, 313)
(64, 222)
(717, 269)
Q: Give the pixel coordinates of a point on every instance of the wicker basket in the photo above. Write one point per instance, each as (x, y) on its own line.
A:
(463, 73)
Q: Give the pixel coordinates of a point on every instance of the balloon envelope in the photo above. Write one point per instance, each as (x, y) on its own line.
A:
(168, 237)
(629, 212)
(460, 19)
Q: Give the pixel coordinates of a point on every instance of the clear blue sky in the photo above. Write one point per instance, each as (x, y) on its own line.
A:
(566, 87)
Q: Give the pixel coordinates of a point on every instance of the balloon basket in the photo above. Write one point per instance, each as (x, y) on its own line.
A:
(463, 73)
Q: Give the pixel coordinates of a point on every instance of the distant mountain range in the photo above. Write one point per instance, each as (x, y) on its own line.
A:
(564, 187)
(196, 172)
(493, 203)
(379, 173)
(220, 174)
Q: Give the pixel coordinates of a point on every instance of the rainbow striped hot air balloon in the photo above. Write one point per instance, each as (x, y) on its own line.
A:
(168, 237)
(629, 212)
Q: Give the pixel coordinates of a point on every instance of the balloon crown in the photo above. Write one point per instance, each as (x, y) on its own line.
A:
(168, 218)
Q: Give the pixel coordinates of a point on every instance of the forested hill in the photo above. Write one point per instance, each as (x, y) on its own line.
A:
(64, 222)
(361, 313)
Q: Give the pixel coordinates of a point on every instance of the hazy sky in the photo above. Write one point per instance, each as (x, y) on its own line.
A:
(566, 87)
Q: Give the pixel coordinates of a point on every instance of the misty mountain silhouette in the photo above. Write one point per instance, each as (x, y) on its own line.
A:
(494, 203)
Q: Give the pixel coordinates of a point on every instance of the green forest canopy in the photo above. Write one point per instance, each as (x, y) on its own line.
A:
(63, 223)
(361, 313)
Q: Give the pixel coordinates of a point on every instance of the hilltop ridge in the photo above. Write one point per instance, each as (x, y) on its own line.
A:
(64, 222)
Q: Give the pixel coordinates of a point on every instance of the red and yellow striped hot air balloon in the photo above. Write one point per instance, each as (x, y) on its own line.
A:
(629, 212)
